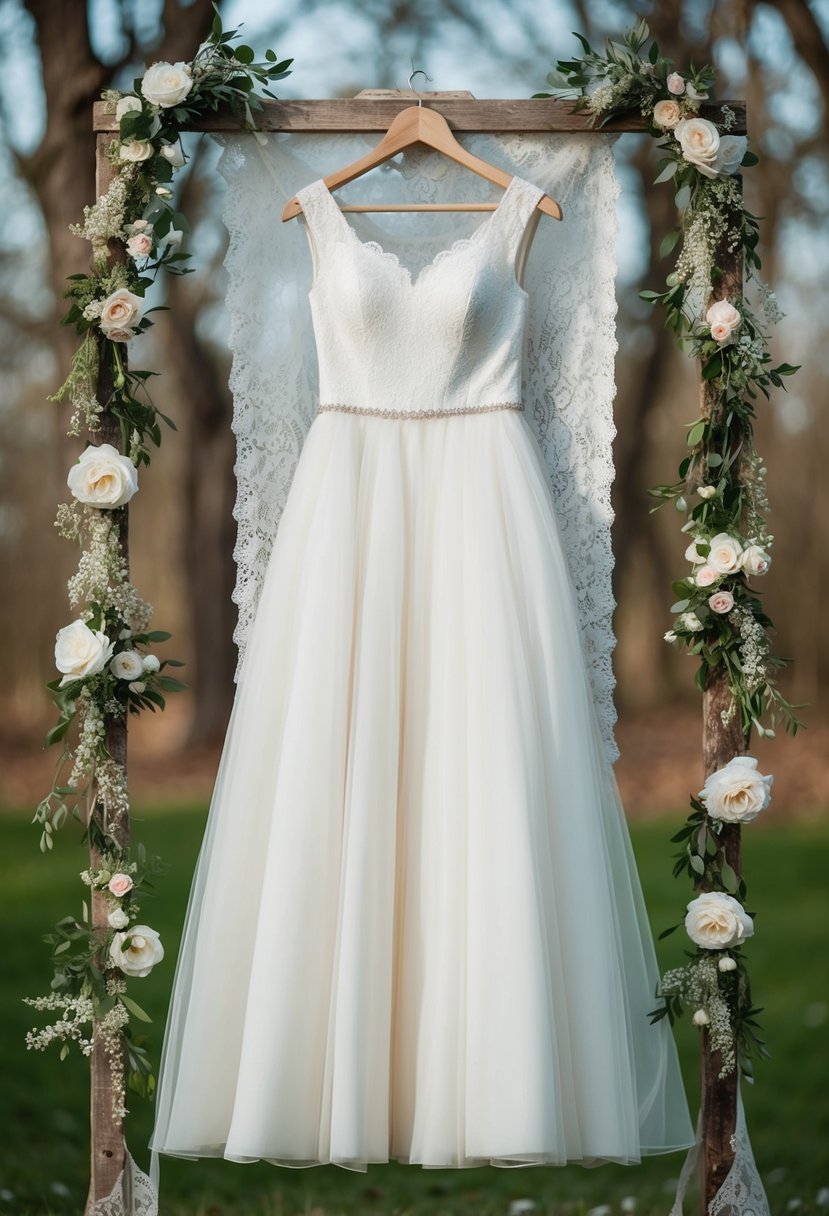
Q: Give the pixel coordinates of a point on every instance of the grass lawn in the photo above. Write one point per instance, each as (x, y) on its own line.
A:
(44, 1103)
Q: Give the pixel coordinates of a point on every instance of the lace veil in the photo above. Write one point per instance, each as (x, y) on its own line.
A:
(571, 345)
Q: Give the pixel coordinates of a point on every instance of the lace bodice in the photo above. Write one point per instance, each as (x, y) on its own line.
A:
(447, 340)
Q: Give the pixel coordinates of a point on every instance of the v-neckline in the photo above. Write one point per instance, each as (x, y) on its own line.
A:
(462, 242)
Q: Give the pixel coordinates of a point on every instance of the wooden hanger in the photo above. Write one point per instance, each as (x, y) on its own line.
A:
(419, 125)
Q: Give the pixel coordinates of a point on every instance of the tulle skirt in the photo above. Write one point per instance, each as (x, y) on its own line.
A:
(416, 929)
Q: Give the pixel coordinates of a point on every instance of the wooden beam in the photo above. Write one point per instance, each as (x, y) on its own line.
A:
(464, 114)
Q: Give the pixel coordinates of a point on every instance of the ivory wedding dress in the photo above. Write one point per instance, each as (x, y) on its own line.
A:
(416, 929)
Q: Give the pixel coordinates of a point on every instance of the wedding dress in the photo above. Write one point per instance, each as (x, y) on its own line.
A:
(416, 929)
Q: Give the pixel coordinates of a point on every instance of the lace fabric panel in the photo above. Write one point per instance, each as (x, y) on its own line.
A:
(571, 344)
(742, 1192)
(133, 1194)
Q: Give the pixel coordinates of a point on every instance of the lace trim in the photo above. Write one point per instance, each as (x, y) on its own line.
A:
(327, 208)
(457, 409)
(133, 1194)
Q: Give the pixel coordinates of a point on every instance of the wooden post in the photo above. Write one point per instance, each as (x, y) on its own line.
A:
(108, 1148)
(723, 738)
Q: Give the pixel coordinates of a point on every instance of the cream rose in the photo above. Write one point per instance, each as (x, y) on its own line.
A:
(166, 84)
(136, 686)
(136, 150)
(81, 652)
(692, 554)
(724, 320)
(700, 1018)
(137, 951)
(725, 554)
(666, 114)
(755, 560)
(103, 477)
(700, 142)
(675, 84)
(705, 576)
(736, 793)
(140, 245)
(126, 105)
(118, 919)
(120, 314)
(727, 963)
(721, 602)
(730, 154)
(119, 885)
(127, 665)
(174, 153)
(690, 621)
(717, 921)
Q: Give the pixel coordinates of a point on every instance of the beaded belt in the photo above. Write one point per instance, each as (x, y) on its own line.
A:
(458, 409)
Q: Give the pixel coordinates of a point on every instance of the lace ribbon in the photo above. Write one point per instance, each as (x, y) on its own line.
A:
(741, 1193)
(569, 384)
(132, 1195)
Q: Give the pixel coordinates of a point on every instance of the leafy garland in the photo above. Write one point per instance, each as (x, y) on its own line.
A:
(107, 669)
(719, 615)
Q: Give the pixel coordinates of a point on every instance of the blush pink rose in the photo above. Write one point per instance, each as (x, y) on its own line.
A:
(721, 601)
(705, 576)
(120, 884)
(140, 245)
(676, 84)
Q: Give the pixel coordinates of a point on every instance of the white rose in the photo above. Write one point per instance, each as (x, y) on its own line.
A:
(690, 621)
(700, 142)
(121, 313)
(136, 150)
(166, 84)
(721, 602)
(81, 652)
(173, 238)
(118, 919)
(725, 553)
(706, 491)
(666, 114)
(736, 793)
(174, 153)
(700, 1018)
(137, 951)
(150, 662)
(103, 477)
(730, 154)
(676, 84)
(140, 245)
(716, 921)
(692, 554)
(705, 576)
(725, 317)
(755, 560)
(692, 94)
(127, 665)
(727, 963)
(125, 105)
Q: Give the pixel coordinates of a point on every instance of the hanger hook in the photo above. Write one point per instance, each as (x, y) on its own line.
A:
(418, 72)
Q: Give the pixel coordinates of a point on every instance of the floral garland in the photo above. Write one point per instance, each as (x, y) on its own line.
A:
(718, 616)
(106, 667)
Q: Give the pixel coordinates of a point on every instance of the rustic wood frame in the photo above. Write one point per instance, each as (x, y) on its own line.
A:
(374, 111)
